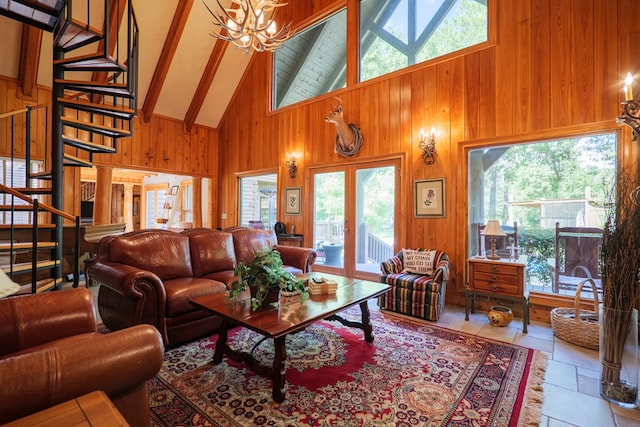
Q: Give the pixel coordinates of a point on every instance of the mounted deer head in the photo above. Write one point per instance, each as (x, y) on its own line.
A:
(348, 138)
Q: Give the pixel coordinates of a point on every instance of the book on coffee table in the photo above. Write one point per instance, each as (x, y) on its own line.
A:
(323, 287)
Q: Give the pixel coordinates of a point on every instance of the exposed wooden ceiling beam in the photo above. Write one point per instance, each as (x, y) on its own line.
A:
(29, 59)
(168, 50)
(205, 83)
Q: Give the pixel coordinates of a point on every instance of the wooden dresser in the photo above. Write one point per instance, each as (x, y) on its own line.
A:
(290, 240)
(501, 280)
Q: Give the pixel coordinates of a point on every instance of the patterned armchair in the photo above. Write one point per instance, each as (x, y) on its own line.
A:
(418, 287)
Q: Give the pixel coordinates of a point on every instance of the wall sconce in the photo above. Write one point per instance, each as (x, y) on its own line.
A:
(428, 147)
(291, 164)
(630, 108)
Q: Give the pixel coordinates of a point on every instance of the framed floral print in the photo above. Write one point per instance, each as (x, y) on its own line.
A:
(292, 201)
(429, 198)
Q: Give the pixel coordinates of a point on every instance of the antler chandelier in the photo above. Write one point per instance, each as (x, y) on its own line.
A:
(248, 25)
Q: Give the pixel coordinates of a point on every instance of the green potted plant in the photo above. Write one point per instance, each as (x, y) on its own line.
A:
(264, 274)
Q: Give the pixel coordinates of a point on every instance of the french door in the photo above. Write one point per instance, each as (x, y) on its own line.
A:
(354, 210)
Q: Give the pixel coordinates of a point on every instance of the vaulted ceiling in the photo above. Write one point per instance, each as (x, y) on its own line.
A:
(184, 73)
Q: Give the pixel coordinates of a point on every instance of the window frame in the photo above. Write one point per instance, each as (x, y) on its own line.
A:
(547, 301)
(186, 205)
(155, 188)
(353, 52)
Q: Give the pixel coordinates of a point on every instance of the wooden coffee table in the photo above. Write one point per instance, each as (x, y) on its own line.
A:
(292, 316)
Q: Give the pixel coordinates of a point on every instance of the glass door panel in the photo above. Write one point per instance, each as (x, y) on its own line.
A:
(374, 217)
(328, 218)
(354, 207)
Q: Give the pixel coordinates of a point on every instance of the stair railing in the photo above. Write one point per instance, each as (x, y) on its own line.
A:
(36, 207)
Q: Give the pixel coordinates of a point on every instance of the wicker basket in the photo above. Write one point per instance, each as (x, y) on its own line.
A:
(575, 326)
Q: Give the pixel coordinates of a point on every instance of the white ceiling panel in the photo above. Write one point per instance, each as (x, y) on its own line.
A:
(188, 64)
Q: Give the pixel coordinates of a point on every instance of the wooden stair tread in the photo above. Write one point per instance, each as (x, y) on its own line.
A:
(40, 175)
(106, 109)
(43, 285)
(76, 161)
(90, 62)
(74, 34)
(26, 245)
(39, 15)
(26, 226)
(16, 207)
(26, 266)
(102, 88)
(93, 127)
(87, 145)
(33, 190)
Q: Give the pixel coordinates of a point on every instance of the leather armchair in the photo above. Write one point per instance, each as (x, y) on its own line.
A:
(51, 352)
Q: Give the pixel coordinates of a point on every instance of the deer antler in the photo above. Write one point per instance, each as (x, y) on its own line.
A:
(334, 107)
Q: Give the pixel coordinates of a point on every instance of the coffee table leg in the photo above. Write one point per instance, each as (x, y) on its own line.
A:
(366, 322)
(221, 343)
(278, 374)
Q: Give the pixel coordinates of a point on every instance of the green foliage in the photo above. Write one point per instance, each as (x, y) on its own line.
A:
(265, 272)
(329, 196)
(560, 169)
(538, 245)
(464, 25)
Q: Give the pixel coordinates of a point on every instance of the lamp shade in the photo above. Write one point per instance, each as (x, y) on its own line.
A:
(493, 229)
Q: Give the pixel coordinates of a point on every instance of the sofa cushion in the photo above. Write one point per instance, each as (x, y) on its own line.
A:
(418, 262)
(248, 241)
(181, 291)
(211, 251)
(162, 252)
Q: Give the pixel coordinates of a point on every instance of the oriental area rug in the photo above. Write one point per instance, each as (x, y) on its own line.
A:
(413, 374)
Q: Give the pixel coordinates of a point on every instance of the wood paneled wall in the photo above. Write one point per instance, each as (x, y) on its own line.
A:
(555, 67)
(163, 145)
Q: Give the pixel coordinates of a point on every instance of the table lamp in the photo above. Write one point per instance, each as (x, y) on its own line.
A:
(493, 229)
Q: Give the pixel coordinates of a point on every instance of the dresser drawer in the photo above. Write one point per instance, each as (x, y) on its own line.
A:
(497, 277)
(502, 269)
(504, 284)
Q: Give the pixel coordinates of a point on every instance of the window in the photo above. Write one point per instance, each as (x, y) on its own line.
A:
(14, 174)
(529, 188)
(312, 62)
(156, 215)
(258, 201)
(186, 191)
(395, 34)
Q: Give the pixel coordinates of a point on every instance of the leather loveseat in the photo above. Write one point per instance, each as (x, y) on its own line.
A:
(51, 352)
(150, 276)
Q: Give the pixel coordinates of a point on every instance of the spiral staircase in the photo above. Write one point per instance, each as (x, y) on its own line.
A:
(95, 58)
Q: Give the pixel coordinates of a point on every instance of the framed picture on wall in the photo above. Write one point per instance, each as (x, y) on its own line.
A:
(429, 200)
(292, 201)
(174, 190)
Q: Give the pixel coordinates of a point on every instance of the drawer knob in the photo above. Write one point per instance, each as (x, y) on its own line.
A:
(493, 279)
(494, 288)
(494, 268)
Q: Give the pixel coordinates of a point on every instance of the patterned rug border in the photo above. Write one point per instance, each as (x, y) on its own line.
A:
(525, 413)
(533, 392)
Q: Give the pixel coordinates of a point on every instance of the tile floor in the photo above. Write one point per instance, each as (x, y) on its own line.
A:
(571, 381)
(570, 386)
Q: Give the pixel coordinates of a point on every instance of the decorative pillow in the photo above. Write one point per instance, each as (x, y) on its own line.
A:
(418, 262)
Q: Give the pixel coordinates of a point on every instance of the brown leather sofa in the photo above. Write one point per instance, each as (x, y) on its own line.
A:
(51, 352)
(150, 276)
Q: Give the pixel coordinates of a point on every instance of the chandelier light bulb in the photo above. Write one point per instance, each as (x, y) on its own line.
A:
(249, 25)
